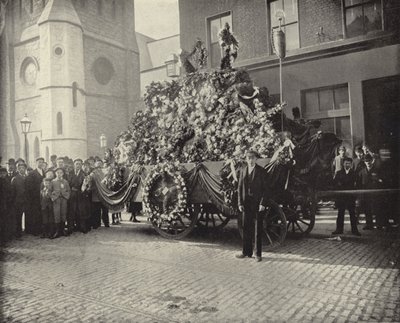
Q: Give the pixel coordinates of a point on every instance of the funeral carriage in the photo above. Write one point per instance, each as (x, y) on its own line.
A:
(178, 159)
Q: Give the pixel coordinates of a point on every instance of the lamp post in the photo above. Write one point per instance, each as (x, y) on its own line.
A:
(279, 43)
(25, 127)
(103, 141)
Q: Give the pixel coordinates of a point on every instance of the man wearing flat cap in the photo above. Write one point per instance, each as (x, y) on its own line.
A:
(33, 184)
(76, 207)
(253, 195)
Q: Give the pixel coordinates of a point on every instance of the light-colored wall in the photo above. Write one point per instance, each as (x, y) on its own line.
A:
(160, 49)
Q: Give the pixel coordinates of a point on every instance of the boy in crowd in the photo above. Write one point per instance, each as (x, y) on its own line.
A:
(47, 209)
(338, 161)
(60, 195)
(358, 161)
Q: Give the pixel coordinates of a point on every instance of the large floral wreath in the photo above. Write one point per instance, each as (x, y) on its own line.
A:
(165, 213)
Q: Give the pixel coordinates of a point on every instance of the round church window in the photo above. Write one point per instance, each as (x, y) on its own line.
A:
(58, 51)
(29, 70)
(103, 70)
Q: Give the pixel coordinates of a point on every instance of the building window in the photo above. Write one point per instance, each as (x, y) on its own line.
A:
(100, 7)
(31, 6)
(74, 94)
(59, 124)
(329, 105)
(36, 148)
(362, 16)
(114, 9)
(215, 24)
(43, 3)
(47, 154)
(290, 21)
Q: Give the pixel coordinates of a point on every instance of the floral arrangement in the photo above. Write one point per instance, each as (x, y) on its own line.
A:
(199, 117)
(165, 214)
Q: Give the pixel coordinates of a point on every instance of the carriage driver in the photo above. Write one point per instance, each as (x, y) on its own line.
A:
(253, 195)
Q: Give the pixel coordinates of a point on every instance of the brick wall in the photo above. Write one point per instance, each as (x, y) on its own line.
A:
(314, 14)
(248, 23)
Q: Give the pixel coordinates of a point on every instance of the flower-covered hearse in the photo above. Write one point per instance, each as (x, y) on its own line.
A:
(179, 157)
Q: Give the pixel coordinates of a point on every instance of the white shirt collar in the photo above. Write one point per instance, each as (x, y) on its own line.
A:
(347, 171)
(251, 168)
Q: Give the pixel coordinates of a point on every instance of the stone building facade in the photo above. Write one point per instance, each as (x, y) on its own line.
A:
(73, 67)
(342, 62)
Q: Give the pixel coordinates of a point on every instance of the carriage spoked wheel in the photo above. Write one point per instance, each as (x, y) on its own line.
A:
(300, 217)
(179, 228)
(274, 225)
(210, 217)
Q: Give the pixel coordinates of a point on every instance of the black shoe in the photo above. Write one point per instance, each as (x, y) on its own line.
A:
(43, 235)
(240, 256)
(135, 220)
(258, 259)
(337, 232)
(356, 233)
(107, 225)
(368, 227)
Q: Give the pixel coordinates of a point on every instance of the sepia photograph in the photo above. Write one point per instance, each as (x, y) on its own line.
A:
(199, 161)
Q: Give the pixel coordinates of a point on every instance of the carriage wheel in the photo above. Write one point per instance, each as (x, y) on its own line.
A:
(211, 218)
(300, 218)
(274, 225)
(181, 227)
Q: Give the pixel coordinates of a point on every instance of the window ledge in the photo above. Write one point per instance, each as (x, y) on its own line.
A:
(330, 48)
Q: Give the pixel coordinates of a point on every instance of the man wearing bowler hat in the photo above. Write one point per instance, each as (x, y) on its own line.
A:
(253, 194)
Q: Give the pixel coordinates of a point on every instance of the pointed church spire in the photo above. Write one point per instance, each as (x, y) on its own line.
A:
(60, 10)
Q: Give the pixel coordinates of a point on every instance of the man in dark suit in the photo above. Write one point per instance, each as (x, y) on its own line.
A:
(369, 177)
(345, 179)
(20, 198)
(33, 182)
(76, 207)
(253, 194)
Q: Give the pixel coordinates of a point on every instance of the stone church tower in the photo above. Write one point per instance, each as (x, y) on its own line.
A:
(73, 67)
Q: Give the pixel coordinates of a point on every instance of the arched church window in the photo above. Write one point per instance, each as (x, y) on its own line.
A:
(100, 7)
(74, 94)
(114, 9)
(47, 154)
(59, 124)
(36, 148)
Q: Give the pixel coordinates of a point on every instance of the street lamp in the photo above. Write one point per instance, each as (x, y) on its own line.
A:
(279, 44)
(172, 66)
(103, 141)
(25, 127)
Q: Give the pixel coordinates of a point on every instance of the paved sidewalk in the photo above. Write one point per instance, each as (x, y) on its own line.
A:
(128, 273)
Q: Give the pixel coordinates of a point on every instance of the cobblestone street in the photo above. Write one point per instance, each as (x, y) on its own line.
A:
(128, 273)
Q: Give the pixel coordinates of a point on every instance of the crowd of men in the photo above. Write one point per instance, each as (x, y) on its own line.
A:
(367, 171)
(56, 199)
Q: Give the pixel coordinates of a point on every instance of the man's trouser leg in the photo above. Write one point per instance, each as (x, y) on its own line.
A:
(96, 214)
(351, 206)
(248, 228)
(340, 216)
(18, 221)
(104, 215)
(258, 233)
(72, 209)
